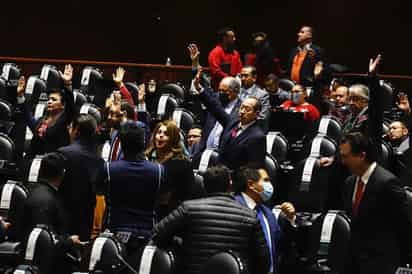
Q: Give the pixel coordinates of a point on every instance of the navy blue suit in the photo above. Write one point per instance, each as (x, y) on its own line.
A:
(78, 190)
(275, 231)
(210, 124)
(248, 147)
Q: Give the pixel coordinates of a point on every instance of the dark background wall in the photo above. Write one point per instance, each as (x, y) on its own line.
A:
(351, 31)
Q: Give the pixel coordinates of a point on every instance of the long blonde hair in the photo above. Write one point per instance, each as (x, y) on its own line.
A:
(173, 147)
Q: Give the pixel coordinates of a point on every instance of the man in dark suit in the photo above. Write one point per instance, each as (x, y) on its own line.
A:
(227, 98)
(377, 206)
(242, 140)
(78, 190)
(303, 58)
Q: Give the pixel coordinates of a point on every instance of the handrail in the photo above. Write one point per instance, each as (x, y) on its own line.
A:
(157, 66)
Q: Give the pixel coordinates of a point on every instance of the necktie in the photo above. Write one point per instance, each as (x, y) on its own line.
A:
(259, 212)
(115, 149)
(234, 131)
(358, 197)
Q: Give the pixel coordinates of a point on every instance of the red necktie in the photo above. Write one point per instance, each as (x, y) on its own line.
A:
(358, 197)
(115, 148)
(234, 131)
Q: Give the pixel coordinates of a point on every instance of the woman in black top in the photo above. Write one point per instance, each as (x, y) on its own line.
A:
(50, 131)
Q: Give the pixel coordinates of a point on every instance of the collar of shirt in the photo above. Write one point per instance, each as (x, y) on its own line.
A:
(249, 201)
(248, 91)
(244, 127)
(230, 106)
(365, 177)
(305, 47)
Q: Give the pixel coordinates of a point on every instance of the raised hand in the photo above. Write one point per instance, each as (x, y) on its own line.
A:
(374, 64)
(118, 76)
(194, 54)
(20, 86)
(67, 75)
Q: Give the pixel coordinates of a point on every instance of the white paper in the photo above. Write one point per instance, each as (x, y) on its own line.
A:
(86, 77)
(327, 226)
(6, 71)
(204, 160)
(323, 125)
(315, 148)
(30, 85)
(177, 117)
(308, 170)
(45, 73)
(39, 111)
(85, 109)
(6, 195)
(29, 134)
(96, 252)
(34, 170)
(106, 151)
(31, 244)
(147, 258)
(18, 271)
(161, 107)
(270, 139)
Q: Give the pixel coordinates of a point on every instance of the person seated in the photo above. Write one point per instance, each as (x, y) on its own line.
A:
(398, 136)
(340, 107)
(276, 95)
(299, 104)
(193, 138)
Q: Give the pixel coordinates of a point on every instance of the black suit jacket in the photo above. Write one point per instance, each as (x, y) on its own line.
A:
(308, 65)
(379, 228)
(78, 190)
(210, 124)
(248, 147)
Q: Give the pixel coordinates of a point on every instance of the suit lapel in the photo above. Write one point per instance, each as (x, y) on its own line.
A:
(368, 194)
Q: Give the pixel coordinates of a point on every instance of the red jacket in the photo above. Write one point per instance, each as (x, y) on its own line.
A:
(311, 112)
(223, 64)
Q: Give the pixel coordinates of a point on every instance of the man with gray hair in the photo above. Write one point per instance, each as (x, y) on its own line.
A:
(358, 102)
(228, 96)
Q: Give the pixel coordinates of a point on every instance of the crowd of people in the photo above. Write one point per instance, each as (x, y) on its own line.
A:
(142, 183)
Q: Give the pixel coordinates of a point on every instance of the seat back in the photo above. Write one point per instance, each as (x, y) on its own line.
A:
(107, 254)
(13, 195)
(387, 155)
(329, 241)
(92, 84)
(32, 170)
(51, 76)
(277, 145)
(387, 92)
(155, 260)
(286, 84)
(133, 88)
(208, 159)
(331, 127)
(176, 89)
(165, 107)
(34, 87)
(92, 110)
(6, 113)
(184, 119)
(40, 249)
(321, 146)
(10, 72)
(79, 98)
(225, 262)
(6, 148)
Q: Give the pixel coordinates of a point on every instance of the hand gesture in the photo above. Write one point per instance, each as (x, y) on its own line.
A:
(20, 86)
(118, 76)
(196, 81)
(289, 210)
(75, 239)
(67, 76)
(403, 103)
(141, 93)
(374, 64)
(326, 161)
(318, 69)
(194, 54)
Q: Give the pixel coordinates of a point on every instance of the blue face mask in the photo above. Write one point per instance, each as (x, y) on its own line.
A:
(296, 98)
(267, 192)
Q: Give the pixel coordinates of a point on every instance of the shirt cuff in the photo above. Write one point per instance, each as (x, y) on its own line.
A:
(21, 99)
